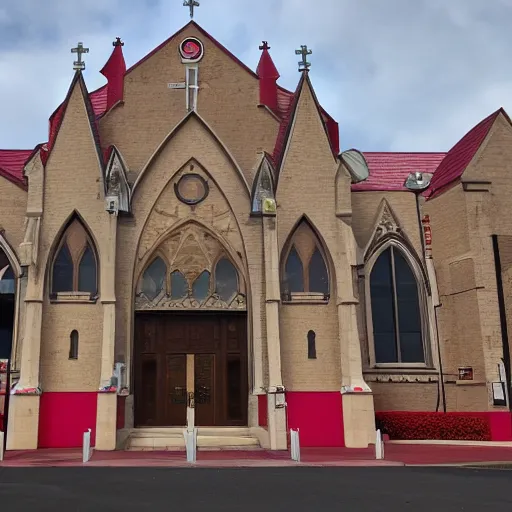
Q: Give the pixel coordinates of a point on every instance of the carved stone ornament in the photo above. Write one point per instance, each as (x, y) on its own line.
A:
(387, 224)
(117, 187)
(213, 302)
(191, 189)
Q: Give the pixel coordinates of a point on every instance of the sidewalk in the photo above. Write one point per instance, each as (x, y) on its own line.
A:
(396, 455)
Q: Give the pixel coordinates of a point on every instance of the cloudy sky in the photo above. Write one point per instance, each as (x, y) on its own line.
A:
(398, 75)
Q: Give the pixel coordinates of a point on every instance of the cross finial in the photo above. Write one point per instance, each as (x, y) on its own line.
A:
(118, 42)
(265, 46)
(79, 65)
(191, 4)
(304, 65)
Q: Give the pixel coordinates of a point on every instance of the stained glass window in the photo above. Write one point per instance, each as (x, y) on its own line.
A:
(201, 286)
(153, 280)
(395, 307)
(87, 281)
(226, 280)
(179, 285)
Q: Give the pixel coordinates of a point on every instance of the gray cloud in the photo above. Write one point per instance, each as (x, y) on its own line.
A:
(397, 74)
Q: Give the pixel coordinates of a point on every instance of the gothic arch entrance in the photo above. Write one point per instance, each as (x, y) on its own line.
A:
(7, 318)
(190, 362)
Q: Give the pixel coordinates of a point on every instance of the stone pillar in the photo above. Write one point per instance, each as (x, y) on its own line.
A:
(276, 415)
(22, 432)
(107, 399)
(358, 408)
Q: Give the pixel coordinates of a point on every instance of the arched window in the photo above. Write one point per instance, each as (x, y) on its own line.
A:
(305, 268)
(179, 285)
(75, 265)
(201, 286)
(395, 308)
(226, 280)
(153, 279)
(73, 345)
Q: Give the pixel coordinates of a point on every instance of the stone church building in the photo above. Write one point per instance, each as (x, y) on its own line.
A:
(192, 247)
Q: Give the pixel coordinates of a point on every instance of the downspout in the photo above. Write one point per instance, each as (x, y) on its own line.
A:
(503, 314)
(441, 392)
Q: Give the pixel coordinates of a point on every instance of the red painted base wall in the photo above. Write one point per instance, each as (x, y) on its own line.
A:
(318, 415)
(64, 417)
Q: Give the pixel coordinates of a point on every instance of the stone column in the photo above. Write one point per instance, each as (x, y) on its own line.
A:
(276, 415)
(107, 400)
(358, 408)
(22, 433)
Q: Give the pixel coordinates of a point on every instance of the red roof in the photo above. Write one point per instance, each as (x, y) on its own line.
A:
(388, 171)
(459, 157)
(12, 162)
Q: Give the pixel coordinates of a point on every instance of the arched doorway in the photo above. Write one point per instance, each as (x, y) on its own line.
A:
(7, 309)
(190, 343)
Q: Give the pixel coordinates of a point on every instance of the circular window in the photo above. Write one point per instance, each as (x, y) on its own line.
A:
(191, 189)
(191, 49)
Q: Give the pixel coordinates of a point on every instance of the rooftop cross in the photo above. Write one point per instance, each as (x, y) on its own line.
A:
(265, 46)
(304, 65)
(191, 4)
(79, 65)
(118, 42)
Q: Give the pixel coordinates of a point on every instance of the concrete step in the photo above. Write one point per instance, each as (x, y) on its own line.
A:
(208, 438)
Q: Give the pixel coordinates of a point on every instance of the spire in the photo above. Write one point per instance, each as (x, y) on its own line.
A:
(114, 71)
(268, 75)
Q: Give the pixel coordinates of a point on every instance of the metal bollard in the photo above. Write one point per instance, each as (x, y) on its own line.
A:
(379, 446)
(295, 445)
(87, 450)
(191, 444)
(1, 446)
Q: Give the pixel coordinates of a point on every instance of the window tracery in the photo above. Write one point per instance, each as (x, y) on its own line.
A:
(396, 305)
(305, 276)
(74, 268)
(199, 275)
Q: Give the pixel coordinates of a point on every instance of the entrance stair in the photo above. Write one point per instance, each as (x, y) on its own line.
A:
(208, 438)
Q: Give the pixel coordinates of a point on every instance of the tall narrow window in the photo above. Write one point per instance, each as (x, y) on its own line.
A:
(73, 345)
(153, 280)
(395, 306)
(318, 277)
(179, 285)
(294, 273)
(192, 87)
(226, 280)
(311, 345)
(7, 281)
(87, 272)
(75, 265)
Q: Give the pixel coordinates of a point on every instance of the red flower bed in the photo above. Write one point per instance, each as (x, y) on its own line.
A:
(434, 425)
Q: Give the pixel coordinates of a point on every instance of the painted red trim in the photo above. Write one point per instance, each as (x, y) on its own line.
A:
(318, 416)
(65, 417)
(262, 410)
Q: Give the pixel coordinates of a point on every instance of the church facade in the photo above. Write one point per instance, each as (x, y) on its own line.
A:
(190, 247)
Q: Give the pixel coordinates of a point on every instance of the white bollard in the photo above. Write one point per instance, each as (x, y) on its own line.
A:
(379, 446)
(87, 450)
(1, 446)
(191, 444)
(295, 445)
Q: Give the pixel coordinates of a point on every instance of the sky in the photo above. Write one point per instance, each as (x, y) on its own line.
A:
(397, 75)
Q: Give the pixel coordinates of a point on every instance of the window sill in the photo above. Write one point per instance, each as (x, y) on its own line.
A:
(73, 298)
(401, 375)
(422, 370)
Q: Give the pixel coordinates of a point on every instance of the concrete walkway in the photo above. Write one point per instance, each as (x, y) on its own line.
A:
(396, 455)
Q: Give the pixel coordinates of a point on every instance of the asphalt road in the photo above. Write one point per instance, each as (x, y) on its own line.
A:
(259, 489)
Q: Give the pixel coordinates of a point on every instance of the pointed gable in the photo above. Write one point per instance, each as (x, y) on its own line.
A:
(460, 156)
(12, 163)
(301, 98)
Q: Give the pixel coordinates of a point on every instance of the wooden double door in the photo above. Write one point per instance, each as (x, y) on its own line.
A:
(190, 366)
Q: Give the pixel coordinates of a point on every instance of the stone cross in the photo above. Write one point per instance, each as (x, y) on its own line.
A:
(191, 4)
(79, 65)
(304, 65)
